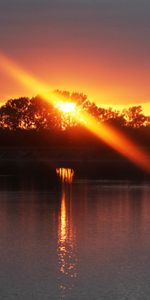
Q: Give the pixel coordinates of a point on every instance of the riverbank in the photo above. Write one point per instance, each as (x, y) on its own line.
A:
(87, 163)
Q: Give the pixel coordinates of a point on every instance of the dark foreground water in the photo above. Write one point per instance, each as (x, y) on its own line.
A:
(90, 240)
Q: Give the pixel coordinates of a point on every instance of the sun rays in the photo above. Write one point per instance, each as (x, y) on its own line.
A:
(115, 139)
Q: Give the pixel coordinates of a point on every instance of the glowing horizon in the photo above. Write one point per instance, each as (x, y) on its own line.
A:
(100, 48)
(119, 107)
(115, 139)
(34, 87)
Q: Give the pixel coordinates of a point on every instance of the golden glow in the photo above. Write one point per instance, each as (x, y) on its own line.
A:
(66, 107)
(109, 135)
(34, 85)
(22, 76)
(67, 110)
(66, 241)
(63, 219)
(116, 140)
(65, 174)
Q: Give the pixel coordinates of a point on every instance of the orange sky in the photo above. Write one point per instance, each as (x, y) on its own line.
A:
(115, 86)
(100, 48)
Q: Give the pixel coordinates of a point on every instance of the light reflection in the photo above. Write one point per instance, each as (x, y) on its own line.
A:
(66, 237)
(65, 174)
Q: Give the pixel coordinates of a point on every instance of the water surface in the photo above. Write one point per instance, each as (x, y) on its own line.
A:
(87, 240)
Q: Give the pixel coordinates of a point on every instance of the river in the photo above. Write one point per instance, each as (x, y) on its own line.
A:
(89, 239)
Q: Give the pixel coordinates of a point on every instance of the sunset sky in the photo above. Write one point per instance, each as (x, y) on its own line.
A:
(98, 47)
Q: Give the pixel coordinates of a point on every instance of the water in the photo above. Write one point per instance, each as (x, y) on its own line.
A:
(89, 240)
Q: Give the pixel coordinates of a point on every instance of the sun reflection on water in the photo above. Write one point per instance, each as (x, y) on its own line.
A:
(66, 248)
(65, 174)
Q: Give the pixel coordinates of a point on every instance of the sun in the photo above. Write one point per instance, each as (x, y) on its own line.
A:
(66, 107)
(68, 111)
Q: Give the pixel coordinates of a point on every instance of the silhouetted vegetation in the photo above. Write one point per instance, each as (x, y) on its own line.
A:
(32, 130)
(35, 122)
(37, 114)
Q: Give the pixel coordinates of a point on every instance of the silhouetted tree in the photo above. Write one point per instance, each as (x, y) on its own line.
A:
(25, 113)
(134, 117)
(37, 114)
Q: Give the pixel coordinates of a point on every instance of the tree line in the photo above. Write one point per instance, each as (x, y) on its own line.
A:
(36, 114)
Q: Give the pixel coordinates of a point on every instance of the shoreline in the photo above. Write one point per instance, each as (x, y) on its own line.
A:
(41, 162)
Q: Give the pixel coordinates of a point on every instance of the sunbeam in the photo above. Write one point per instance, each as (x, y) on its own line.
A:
(112, 137)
